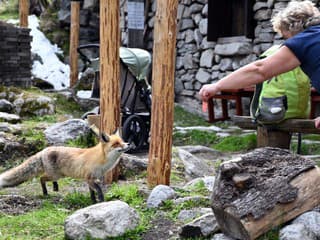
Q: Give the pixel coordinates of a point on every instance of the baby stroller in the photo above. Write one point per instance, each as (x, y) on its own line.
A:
(135, 67)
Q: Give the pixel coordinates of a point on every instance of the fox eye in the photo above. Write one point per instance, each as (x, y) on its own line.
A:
(115, 145)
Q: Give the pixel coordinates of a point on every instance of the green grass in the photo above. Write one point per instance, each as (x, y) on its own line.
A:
(9, 10)
(44, 223)
(236, 143)
(182, 118)
(195, 137)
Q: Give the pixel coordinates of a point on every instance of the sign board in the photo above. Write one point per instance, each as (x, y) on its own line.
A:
(135, 15)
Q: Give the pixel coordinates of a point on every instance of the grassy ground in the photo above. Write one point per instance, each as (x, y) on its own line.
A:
(44, 217)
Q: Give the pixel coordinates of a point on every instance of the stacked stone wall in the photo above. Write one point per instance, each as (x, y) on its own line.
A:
(15, 56)
(198, 61)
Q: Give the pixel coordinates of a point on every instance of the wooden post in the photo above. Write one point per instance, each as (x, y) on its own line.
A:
(74, 41)
(109, 70)
(135, 23)
(23, 12)
(164, 55)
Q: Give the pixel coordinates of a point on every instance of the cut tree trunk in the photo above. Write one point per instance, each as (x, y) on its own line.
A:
(263, 189)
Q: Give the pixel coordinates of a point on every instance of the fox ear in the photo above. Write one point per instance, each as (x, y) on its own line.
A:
(94, 129)
(104, 137)
(116, 132)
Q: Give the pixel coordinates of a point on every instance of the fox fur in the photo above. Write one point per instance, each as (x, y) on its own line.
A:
(52, 163)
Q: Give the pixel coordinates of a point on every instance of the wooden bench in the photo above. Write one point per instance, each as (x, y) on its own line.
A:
(237, 95)
(276, 135)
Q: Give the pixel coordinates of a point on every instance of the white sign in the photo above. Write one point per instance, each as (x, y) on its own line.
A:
(135, 15)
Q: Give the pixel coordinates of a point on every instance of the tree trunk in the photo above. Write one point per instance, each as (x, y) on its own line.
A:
(263, 189)
(74, 41)
(109, 71)
(23, 13)
(162, 92)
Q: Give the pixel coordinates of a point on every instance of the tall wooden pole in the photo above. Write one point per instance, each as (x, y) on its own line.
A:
(165, 31)
(109, 70)
(74, 41)
(24, 12)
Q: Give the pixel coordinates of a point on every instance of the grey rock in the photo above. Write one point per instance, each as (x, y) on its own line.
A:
(221, 236)
(6, 106)
(231, 49)
(159, 194)
(60, 133)
(206, 59)
(311, 220)
(8, 117)
(200, 227)
(296, 232)
(194, 166)
(191, 214)
(203, 76)
(101, 221)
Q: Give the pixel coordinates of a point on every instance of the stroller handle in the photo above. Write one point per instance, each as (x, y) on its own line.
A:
(84, 57)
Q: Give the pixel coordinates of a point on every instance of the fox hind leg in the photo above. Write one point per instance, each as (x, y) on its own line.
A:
(43, 181)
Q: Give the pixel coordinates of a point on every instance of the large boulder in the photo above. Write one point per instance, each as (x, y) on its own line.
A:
(101, 221)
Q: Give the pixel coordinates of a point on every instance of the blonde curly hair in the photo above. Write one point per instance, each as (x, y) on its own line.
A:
(296, 17)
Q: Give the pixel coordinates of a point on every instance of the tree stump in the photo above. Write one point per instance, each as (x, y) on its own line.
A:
(263, 189)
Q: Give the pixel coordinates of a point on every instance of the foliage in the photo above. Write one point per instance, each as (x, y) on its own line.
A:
(84, 141)
(76, 200)
(9, 9)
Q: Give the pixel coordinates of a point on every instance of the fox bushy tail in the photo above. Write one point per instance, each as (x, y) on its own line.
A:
(28, 169)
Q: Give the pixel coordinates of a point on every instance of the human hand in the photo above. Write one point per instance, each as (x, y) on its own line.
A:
(209, 90)
(317, 122)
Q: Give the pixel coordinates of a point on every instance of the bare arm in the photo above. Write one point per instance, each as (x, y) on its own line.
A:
(282, 61)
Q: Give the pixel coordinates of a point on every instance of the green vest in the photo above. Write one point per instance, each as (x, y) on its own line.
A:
(284, 96)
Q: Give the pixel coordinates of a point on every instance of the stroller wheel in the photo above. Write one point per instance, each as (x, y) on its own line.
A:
(134, 131)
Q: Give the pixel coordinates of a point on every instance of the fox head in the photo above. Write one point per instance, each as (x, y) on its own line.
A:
(113, 146)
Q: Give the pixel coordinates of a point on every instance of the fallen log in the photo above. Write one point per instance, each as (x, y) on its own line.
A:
(262, 190)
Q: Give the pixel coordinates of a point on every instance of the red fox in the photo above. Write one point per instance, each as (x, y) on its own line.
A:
(56, 162)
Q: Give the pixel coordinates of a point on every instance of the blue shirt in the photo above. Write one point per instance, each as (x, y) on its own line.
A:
(306, 47)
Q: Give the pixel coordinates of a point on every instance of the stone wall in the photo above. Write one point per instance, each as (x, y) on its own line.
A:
(198, 61)
(15, 56)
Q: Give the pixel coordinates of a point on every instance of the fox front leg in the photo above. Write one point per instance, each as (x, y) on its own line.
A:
(95, 188)
(55, 186)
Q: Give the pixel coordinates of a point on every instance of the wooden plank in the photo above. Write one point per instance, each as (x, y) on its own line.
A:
(289, 125)
(164, 50)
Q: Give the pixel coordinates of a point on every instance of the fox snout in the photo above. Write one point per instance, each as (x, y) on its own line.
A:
(125, 147)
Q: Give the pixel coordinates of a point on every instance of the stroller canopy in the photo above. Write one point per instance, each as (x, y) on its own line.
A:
(137, 60)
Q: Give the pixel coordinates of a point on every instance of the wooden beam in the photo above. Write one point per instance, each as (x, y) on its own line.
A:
(289, 125)
(24, 12)
(164, 54)
(74, 41)
(109, 70)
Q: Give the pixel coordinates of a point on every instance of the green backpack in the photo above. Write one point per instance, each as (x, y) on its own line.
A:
(282, 97)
